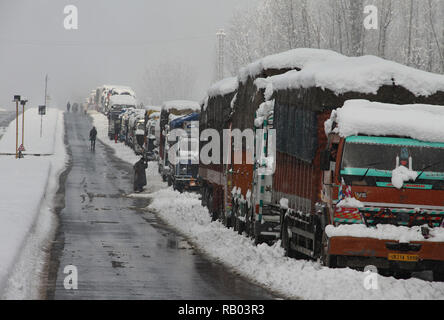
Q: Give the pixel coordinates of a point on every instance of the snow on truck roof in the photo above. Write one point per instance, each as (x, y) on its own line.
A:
(223, 87)
(181, 105)
(122, 100)
(364, 74)
(296, 58)
(416, 121)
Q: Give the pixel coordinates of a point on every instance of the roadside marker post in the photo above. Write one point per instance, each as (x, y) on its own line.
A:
(16, 100)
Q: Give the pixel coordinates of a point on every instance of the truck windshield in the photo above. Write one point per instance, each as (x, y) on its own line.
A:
(371, 160)
(188, 170)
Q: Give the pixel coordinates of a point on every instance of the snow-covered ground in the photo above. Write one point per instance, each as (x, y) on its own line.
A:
(263, 264)
(34, 144)
(26, 200)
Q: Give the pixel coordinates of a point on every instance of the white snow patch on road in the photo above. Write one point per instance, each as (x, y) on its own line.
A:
(267, 265)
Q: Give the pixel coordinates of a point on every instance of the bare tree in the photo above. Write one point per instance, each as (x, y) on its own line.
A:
(169, 80)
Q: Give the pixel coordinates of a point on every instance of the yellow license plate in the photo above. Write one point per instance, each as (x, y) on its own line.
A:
(403, 257)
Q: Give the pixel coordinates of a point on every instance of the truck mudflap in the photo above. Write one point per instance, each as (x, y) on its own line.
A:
(386, 254)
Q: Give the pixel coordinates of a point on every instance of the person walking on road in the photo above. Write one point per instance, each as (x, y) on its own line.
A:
(68, 106)
(92, 138)
(140, 175)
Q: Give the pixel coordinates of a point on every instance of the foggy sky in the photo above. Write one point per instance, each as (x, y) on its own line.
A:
(115, 42)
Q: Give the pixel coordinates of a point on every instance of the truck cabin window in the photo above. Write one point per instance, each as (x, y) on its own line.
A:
(367, 161)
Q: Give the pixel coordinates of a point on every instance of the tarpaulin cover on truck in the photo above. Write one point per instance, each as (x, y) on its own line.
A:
(178, 123)
(296, 131)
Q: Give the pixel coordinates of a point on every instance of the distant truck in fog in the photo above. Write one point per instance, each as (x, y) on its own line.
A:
(118, 104)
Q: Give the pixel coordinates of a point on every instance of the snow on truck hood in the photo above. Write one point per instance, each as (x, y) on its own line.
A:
(416, 121)
(122, 100)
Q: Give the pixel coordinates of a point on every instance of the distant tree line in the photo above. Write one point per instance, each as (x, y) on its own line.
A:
(409, 31)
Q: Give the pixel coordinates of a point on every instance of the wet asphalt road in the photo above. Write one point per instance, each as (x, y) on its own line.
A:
(122, 251)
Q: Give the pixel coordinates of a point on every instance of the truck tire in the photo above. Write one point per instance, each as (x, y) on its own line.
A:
(203, 192)
(438, 276)
(239, 226)
(285, 239)
(327, 260)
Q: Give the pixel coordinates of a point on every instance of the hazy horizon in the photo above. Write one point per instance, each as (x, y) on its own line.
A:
(116, 41)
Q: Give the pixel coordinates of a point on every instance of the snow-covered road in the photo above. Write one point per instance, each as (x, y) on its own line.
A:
(120, 248)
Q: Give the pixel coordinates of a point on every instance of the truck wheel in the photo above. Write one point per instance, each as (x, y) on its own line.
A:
(256, 233)
(234, 222)
(438, 276)
(239, 226)
(203, 192)
(327, 260)
(285, 239)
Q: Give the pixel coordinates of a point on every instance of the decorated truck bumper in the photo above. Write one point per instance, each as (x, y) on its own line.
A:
(386, 254)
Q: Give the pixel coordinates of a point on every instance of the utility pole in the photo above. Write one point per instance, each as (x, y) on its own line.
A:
(23, 103)
(46, 88)
(16, 100)
(46, 98)
(221, 54)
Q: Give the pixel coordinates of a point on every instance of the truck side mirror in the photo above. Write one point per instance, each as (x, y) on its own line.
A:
(325, 160)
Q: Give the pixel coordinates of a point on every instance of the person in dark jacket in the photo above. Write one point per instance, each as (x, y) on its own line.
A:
(92, 137)
(140, 175)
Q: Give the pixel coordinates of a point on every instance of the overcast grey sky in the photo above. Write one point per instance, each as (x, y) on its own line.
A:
(115, 42)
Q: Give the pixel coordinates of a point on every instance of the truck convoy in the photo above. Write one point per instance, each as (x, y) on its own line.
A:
(341, 193)
(345, 165)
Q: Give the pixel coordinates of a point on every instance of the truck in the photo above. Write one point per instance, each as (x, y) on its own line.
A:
(171, 110)
(251, 93)
(215, 112)
(151, 125)
(117, 105)
(136, 130)
(184, 171)
(357, 176)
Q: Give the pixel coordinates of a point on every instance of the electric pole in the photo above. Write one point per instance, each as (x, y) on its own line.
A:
(221, 53)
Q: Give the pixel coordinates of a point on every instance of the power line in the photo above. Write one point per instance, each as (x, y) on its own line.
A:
(100, 44)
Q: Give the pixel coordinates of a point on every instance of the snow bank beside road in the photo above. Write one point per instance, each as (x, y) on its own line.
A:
(269, 267)
(34, 144)
(26, 201)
